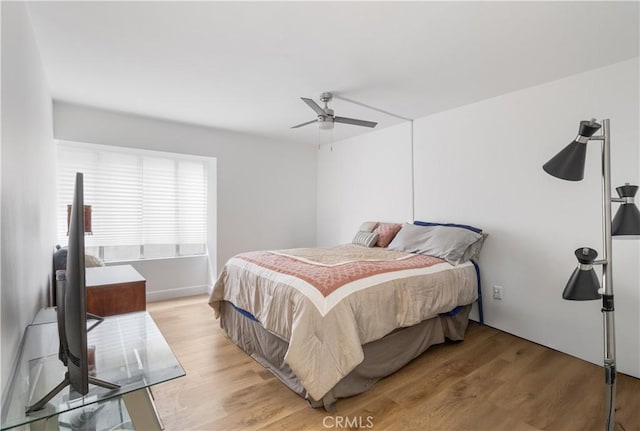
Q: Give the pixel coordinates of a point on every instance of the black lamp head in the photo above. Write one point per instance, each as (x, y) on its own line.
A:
(626, 222)
(568, 164)
(583, 284)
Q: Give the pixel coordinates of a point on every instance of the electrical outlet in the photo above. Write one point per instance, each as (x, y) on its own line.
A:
(497, 293)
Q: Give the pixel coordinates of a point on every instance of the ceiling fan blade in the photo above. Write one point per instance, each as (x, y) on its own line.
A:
(313, 105)
(354, 122)
(304, 124)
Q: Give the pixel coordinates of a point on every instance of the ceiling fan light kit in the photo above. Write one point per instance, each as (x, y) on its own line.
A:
(326, 117)
(325, 122)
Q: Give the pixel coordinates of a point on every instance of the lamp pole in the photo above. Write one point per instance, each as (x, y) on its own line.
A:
(607, 280)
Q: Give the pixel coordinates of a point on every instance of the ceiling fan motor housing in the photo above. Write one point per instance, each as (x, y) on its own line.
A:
(326, 97)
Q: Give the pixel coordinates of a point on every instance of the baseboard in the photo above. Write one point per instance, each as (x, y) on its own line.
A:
(178, 292)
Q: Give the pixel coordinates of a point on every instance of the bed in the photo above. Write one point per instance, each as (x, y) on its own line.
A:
(330, 322)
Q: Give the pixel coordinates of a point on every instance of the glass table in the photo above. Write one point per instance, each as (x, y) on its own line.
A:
(130, 351)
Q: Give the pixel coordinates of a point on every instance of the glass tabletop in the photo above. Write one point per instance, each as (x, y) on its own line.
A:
(130, 351)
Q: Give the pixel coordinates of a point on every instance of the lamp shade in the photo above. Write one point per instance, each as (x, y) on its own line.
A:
(568, 164)
(627, 220)
(583, 284)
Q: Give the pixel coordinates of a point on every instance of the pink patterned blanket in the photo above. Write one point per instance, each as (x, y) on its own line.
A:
(328, 278)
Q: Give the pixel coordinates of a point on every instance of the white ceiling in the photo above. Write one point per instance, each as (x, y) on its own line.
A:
(243, 66)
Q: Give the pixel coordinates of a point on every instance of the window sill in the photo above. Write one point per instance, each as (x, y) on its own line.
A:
(154, 259)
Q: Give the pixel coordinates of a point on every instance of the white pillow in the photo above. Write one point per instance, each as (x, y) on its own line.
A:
(368, 226)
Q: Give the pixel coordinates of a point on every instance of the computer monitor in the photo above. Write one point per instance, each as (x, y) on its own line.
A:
(75, 296)
(72, 309)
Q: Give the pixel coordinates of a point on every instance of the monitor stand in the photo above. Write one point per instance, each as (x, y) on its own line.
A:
(63, 384)
(66, 382)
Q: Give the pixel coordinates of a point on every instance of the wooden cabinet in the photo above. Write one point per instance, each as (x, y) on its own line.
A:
(115, 290)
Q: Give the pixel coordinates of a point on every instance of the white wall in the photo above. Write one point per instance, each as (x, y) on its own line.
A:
(482, 164)
(264, 189)
(28, 179)
(367, 177)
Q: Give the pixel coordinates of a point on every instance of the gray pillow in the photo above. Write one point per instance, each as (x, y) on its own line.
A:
(473, 251)
(368, 239)
(445, 242)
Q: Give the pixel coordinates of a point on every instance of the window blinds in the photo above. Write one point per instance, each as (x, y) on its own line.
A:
(137, 197)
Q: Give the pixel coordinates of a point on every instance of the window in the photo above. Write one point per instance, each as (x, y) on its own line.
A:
(144, 204)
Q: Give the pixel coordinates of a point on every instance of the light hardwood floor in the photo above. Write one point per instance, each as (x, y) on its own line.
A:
(491, 381)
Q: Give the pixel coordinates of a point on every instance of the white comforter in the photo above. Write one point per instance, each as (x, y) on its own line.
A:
(327, 303)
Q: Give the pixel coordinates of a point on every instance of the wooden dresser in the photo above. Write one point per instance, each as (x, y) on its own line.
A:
(115, 290)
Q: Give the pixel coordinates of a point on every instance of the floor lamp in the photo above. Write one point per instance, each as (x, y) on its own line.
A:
(583, 285)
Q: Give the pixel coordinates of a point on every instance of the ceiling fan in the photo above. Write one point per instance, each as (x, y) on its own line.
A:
(326, 119)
